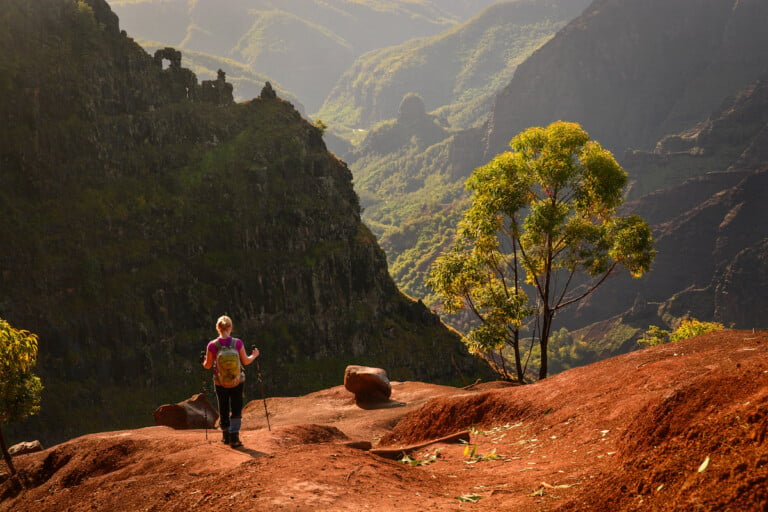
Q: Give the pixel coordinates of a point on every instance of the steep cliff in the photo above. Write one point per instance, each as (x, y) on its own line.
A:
(711, 230)
(733, 136)
(632, 72)
(137, 205)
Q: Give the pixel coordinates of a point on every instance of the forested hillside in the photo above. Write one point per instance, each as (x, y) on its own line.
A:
(456, 72)
(139, 204)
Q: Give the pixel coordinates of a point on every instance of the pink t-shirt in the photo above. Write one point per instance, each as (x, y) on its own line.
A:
(225, 342)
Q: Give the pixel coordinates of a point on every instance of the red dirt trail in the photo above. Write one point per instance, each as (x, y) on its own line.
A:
(682, 426)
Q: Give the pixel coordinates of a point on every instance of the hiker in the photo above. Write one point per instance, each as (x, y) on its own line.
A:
(227, 356)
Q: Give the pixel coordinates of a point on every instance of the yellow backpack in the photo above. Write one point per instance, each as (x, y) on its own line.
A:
(228, 369)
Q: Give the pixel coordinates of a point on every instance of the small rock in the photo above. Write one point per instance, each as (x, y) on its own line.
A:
(25, 447)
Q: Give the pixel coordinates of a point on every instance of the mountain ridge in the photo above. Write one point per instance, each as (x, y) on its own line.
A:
(209, 27)
(662, 67)
(463, 65)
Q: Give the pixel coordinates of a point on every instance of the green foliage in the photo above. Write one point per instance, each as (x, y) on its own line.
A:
(655, 335)
(20, 388)
(427, 459)
(539, 214)
(320, 125)
(571, 349)
(412, 203)
(688, 328)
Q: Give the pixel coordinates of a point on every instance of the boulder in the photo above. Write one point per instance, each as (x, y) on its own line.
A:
(369, 385)
(25, 447)
(194, 412)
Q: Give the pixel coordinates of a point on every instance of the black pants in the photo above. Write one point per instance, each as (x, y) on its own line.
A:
(230, 402)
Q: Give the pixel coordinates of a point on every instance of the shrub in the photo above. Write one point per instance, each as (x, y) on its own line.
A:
(691, 327)
(688, 328)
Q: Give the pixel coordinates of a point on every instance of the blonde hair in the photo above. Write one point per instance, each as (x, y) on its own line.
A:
(223, 323)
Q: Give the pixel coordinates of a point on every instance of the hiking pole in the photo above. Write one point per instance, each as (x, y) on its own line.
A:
(205, 393)
(261, 383)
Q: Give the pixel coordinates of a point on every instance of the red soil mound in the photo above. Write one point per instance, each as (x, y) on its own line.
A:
(682, 426)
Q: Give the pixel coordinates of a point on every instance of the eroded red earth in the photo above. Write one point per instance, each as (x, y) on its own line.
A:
(682, 426)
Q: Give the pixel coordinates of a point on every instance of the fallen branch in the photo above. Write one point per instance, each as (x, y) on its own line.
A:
(399, 453)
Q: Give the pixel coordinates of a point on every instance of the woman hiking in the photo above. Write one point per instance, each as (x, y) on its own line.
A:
(227, 356)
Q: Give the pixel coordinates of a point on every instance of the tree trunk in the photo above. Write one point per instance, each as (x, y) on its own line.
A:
(546, 327)
(518, 361)
(6, 455)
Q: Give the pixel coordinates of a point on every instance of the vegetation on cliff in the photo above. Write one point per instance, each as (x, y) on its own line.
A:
(139, 204)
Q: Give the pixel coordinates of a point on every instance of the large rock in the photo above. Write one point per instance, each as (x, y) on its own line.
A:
(369, 385)
(25, 447)
(195, 412)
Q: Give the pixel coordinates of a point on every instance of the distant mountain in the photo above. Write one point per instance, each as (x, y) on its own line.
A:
(304, 44)
(456, 72)
(633, 72)
(393, 166)
(408, 172)
(138, 204)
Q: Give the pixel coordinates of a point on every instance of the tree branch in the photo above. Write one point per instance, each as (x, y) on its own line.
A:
(590, 290)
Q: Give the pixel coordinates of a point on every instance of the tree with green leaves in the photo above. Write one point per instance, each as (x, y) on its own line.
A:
(19, 388)
(542, 233)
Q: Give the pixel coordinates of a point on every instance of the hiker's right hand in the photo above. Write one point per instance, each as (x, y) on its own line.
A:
(254, 352)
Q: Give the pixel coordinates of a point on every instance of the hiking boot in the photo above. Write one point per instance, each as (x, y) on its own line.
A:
(225, 437)
(234, 440)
